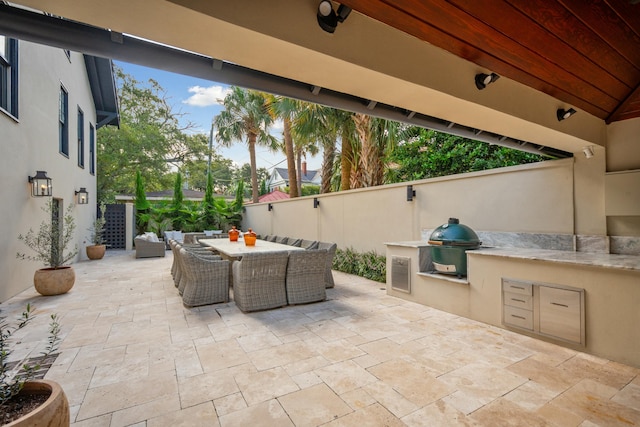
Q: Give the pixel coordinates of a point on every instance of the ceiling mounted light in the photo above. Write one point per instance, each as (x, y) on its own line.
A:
(40, 184)
(328, 19)
(562, 114)
(588, 152)
(482, 80)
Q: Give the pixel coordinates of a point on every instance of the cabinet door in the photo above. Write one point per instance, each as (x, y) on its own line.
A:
(561, 313)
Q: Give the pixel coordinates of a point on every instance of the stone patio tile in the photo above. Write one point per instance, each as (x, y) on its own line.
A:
(125, 394)
(265, 414)
(483, 380)
(629, 396)
(265, 385)
(337, 351)
(203, 415)
(358, 398)
(531, 396)
(145, 411)
(101, 421)
(221, 355)
(345, 376)
(503, 413)
(306, 380)
(372, 416)
(438, 413)
(206, 387)
(329, 330)
(281, 355)
(231, 403)
(313, 406)
(395, 402)
(258, 341)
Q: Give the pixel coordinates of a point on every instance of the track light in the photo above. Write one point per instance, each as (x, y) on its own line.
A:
(328, 19)
(482, 80)
(562, 114)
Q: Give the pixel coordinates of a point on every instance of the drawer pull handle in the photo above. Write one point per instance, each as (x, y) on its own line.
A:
(518, 287)
(518, 317)
(518, 300)
(561, 305)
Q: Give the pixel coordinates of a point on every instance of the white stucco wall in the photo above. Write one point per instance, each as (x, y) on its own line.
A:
(31, 143)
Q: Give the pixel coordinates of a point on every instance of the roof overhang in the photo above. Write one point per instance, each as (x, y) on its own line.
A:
(103, 90)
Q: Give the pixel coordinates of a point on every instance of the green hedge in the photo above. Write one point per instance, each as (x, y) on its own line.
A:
(369, 265)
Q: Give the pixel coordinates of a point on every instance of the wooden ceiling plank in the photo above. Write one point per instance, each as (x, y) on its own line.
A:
(559, 21)
(536, 38)
(629, 108)
(485, 40)
(400, 19)
(628, 12)
(605, 22)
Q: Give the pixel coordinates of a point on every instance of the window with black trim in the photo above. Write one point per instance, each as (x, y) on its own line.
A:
(9, 75)
(92, 149)
(80, 138)
(63, 120)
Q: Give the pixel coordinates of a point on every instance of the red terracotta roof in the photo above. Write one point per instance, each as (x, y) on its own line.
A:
(274, 195)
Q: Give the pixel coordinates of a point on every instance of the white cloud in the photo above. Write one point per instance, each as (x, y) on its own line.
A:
(206, 96)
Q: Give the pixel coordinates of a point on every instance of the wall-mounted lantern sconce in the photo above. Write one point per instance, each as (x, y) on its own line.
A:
(40, 184)
(563, 114)
(82, 196)
(328, 19)
(270, 207)
(411, 193)
(483, 80)
(316, 203)
(588, 152)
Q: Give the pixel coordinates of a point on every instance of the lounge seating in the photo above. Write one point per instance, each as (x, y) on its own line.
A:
(259, 281)
(180, 278)
(305, 281)
(206, 280)
(331, 252)
(148, 247)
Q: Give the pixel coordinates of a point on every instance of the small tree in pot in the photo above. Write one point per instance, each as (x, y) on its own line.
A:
(50, 246)
(97, 248)
(23, 400)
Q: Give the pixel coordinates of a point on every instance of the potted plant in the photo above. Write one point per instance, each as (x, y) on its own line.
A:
(50, 247)
(25, 401)
(97, 247)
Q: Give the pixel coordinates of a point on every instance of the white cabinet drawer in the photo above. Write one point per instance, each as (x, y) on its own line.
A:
(560, 313)
(518, 300)
(517, 287)
(518, 317)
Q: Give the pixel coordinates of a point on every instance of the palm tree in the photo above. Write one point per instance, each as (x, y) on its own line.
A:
(246, 115)
(377, 138)
(286, 108)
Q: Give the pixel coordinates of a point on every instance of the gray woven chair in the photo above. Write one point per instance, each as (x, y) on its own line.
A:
(146, 249)
(309, 244)
(206, 279)
(294, 242)
(331, 251)
(280, 239)
(259, 281)
(305, 276)
(179, 278)
(273, 238)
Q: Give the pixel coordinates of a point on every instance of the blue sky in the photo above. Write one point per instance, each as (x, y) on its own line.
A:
(197, 100)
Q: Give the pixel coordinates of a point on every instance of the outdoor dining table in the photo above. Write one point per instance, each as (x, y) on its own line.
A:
(235, 250)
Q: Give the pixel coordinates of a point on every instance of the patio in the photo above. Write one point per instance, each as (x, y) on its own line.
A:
(133, 355)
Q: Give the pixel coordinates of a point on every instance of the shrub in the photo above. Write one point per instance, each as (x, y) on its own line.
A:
(369, 264)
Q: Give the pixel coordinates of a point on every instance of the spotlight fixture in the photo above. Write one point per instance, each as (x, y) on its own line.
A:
(316, 203)
(82, 196)
(588, 152)
(411, 193)
(482, 79)
(270, 207)
(328, 19)
(562, 114)
(40, 184)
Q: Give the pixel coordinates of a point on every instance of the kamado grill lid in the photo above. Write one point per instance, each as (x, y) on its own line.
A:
(454, 234)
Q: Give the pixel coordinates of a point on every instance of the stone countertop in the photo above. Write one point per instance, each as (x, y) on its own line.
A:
(623, 262)
(410, 244)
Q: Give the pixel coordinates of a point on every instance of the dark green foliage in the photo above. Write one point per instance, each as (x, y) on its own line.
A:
(263, 187)
(369, 264)
(431, 154)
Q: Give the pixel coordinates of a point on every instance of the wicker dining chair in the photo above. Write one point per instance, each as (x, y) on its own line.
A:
(309, 244)
(179, 281)
(292, 241)
(305, 276)
(206, 280)
(259, 281)
(331, 251)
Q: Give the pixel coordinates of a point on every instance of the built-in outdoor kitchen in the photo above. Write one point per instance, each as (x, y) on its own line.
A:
(534, 284)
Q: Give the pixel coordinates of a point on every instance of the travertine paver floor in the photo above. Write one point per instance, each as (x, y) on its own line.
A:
(133, 355)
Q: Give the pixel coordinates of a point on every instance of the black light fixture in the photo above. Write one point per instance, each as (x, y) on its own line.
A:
(411, 193)
(328, 19)
(82, 196)
(563, 114)
(40, 184)
(483, 80)
(270, 207)
(316, 203)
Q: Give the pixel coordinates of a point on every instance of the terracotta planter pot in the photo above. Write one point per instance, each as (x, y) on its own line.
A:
(54, 281)
(96, 251)
(54, 412)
